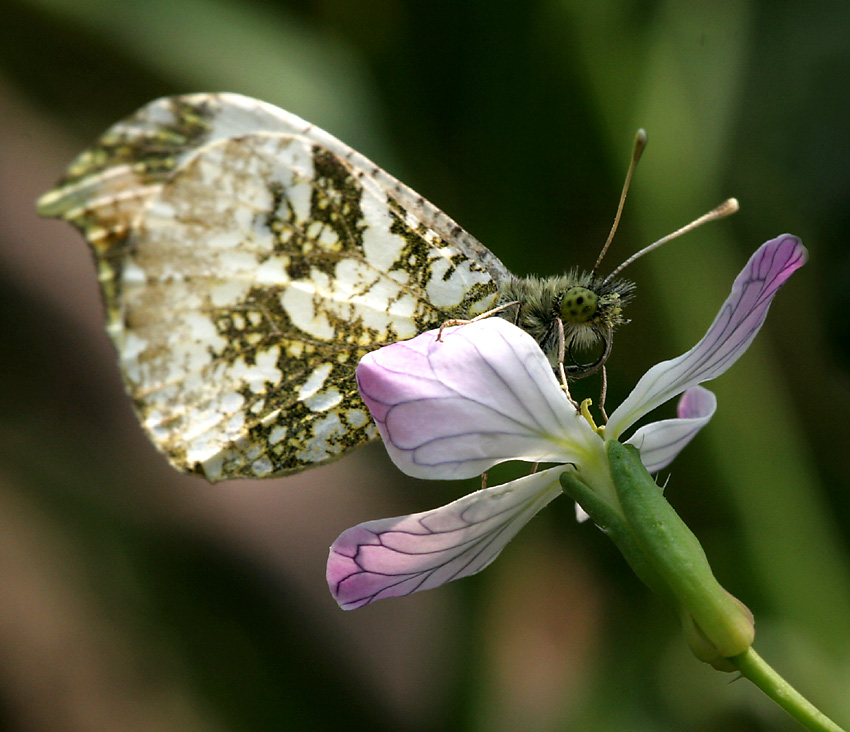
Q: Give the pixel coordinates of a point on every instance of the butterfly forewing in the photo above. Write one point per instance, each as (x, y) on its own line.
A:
(248, 260)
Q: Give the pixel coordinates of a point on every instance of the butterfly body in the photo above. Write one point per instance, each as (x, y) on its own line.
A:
(248, 260)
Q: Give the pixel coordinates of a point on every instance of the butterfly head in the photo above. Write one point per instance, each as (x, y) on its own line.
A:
(572, 316)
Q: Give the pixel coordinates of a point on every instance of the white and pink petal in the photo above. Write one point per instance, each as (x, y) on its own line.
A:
(398, 556)
(482, 394)
(731, 333)
(660, 442)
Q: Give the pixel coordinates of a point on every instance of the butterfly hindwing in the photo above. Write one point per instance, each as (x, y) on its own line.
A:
(248, 260)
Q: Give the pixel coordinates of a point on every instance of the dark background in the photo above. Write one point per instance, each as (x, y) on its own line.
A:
(132, 598)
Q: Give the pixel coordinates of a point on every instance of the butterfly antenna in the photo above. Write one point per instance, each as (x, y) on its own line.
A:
(727, 208)
(637, 151)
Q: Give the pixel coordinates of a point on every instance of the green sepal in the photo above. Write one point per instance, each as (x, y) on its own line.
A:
(722, 625)
(609, 518)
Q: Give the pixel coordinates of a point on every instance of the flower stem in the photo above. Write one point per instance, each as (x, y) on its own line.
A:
(756, 669)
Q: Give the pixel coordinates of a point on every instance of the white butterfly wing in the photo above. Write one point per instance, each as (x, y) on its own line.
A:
(248, 260)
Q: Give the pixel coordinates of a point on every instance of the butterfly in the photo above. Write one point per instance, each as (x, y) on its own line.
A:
(248, 260)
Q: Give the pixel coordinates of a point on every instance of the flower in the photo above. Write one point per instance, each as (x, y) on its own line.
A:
(452, 406)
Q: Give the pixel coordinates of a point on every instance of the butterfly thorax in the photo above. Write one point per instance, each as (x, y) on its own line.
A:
(590, 308)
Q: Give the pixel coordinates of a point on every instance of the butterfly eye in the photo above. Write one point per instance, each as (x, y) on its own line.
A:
(579, 304)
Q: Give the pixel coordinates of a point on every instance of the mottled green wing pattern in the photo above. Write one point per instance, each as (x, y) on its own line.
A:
(248, 260)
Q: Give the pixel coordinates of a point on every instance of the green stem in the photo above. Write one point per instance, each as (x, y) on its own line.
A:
(756, 669)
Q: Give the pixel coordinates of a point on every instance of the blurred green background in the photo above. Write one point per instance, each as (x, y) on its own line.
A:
(132, 598)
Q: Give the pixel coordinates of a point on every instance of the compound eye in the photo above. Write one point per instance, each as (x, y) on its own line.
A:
(579, 305)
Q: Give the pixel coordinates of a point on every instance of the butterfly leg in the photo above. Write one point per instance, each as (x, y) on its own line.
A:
(456, 321)
(603, 393)
(561, 355)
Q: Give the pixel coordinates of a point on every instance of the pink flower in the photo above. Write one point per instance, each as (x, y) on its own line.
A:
(484, 394)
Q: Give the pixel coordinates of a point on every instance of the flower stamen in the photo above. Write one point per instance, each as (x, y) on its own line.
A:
(585, 412)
